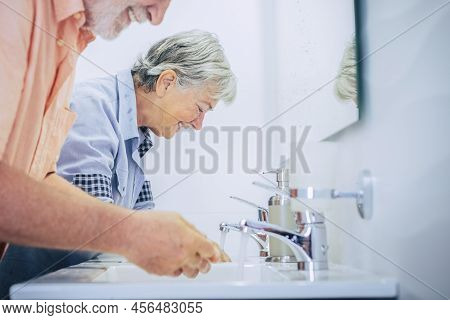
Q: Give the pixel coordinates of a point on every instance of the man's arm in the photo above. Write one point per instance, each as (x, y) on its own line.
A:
(59, 183)
(33, 213)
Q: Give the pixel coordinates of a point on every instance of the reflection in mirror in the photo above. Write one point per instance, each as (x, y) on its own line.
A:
(346, 85)
(314, 64)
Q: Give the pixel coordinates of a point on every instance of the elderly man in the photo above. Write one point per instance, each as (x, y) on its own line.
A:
(41, 40)
(174, 85)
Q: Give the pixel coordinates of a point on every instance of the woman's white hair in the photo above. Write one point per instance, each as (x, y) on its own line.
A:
(345, 86)
(197, 58)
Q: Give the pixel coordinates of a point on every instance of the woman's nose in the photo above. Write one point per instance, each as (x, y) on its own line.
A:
(198, 122)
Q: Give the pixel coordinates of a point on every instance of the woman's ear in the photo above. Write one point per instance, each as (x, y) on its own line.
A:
(166, 81)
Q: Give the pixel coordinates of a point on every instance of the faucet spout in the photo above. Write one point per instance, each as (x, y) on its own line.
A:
(291, 238)
(226, 227)
(260, 239)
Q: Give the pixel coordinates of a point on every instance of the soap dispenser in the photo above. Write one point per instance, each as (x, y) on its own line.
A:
(280, 214)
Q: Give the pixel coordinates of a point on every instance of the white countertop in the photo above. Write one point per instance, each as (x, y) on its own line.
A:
(114, 278)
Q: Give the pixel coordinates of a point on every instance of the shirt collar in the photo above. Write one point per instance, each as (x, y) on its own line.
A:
(127, 105)
(146, 132)
(67, 8)
(146, 142)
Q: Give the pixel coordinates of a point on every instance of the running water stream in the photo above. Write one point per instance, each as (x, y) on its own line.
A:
(223, 237)
(242, 256)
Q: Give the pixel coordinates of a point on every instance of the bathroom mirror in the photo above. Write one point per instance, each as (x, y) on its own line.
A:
(315, 65)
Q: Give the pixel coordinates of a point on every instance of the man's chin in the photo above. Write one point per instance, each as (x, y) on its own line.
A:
(111, 32)
(169, 136)
(107, 36)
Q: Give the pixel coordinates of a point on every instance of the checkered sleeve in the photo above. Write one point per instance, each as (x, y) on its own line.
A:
(97, 185)
(145, 198)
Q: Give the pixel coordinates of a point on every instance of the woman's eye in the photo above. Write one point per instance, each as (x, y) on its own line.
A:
(200, 109)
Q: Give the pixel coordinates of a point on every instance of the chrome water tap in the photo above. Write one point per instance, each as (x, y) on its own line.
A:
(309, 244)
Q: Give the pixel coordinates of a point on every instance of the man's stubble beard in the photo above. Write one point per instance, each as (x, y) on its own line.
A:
(102, 17)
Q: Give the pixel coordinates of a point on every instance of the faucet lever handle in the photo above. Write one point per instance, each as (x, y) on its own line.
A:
(263, 213)
(272, 188)
(247, 202)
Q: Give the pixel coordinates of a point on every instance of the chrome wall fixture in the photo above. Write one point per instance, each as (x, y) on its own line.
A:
(363, 195)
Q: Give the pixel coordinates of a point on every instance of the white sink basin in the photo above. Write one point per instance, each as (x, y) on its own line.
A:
(225, 272)
(122, 280)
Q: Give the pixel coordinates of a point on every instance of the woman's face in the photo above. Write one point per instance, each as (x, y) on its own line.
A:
(183, 108)
(169, 107)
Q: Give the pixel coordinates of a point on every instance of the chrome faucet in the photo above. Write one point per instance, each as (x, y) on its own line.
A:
(308, 244)
(293, 239)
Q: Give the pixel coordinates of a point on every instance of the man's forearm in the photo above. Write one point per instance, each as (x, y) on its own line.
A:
(33, 213)
(59, 183)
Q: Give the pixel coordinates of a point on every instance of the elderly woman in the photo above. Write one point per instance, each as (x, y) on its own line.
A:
(178, 81)
(174, 85)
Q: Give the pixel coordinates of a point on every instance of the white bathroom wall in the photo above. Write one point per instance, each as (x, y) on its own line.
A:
(403, 139)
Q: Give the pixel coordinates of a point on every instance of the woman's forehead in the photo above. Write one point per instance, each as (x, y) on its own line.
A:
(202, 94)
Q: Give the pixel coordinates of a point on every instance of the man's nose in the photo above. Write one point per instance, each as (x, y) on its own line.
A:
(198, 122)
(158, 11)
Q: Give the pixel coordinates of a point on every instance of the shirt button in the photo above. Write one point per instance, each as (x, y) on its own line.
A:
(60, 42)
(77, 16)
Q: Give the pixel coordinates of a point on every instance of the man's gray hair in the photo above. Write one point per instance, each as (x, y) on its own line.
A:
(196, 57)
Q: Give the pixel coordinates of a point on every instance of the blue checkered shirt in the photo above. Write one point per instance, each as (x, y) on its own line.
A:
(104, 151)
